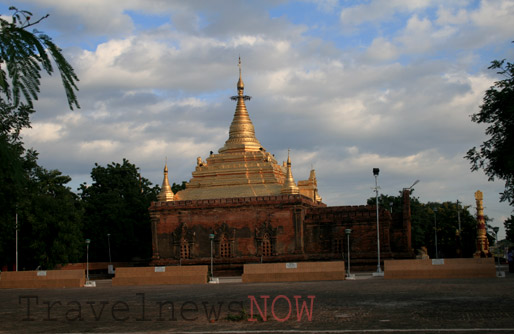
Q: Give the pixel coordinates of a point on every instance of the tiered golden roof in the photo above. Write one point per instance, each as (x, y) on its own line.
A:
(242, 167)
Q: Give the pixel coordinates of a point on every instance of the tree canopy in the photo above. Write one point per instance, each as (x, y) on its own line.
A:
(49, 213)
(425, 217)
(50, 221)
(116, 203)
(25, 55)
(509, 228)
(496, 155)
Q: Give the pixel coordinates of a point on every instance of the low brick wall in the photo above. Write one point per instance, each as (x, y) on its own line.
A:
(439, 268)
(294, 271)
(160, 275)
(92, 265)
(42, 279)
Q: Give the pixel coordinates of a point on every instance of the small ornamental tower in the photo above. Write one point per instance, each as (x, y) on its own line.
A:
(482, 241)
(289, 186)
(166, 194)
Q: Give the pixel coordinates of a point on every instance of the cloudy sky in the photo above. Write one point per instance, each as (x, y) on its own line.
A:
(346, 85)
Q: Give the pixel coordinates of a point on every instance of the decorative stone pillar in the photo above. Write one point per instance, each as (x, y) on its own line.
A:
(155, 217)
(482, 242)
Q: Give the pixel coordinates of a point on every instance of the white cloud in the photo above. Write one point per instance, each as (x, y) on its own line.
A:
(495, 16)
(376, 10)
(382, 50)
(99, 147)
(452, 16)
(43, 132)
(417, 36)
(94, 16)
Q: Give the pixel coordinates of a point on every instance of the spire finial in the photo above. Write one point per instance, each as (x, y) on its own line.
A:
(289, 186)
(240, 84)
(166, 194)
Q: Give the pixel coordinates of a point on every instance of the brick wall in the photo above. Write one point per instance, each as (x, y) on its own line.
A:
(297, 228)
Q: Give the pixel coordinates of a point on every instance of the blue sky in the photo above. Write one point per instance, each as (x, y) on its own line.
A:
(346, 85)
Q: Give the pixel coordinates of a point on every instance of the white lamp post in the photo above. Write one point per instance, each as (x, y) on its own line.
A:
(496, 229)
(435, 229)
(110, 268)
(211, 236)
(348, 274)
(109, 246)
(87, 258)
(458, 215)
(379, 270)
(16, 241)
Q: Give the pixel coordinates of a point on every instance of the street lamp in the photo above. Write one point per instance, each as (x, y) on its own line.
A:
(435, 229)
(496, 229)
(109, 246)
(415, 182)
(458, 215)
(16, 240)
(87, 258)
(211, 236)
(375, 172)
(348, 231)
(110, 268)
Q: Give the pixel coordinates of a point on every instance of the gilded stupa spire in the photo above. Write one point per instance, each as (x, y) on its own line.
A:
(166, 194)
(289, 186)
(241, 133)
(242, 167)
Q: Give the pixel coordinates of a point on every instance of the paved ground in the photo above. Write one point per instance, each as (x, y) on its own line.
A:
(362, 305)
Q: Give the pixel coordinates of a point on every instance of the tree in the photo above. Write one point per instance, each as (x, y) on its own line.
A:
(25, 54)
(450, 243)
(509, 228)
(496, 155)
(50, 221)
(175, 187)
(117, 204)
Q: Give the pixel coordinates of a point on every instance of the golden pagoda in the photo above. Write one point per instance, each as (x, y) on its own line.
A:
(241, 206)
(242, 167)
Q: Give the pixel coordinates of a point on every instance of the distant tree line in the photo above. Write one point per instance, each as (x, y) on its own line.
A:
(427, 218)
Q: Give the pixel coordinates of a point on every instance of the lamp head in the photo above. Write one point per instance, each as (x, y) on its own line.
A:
(88, 241)
(376, 171)
(348, 231)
